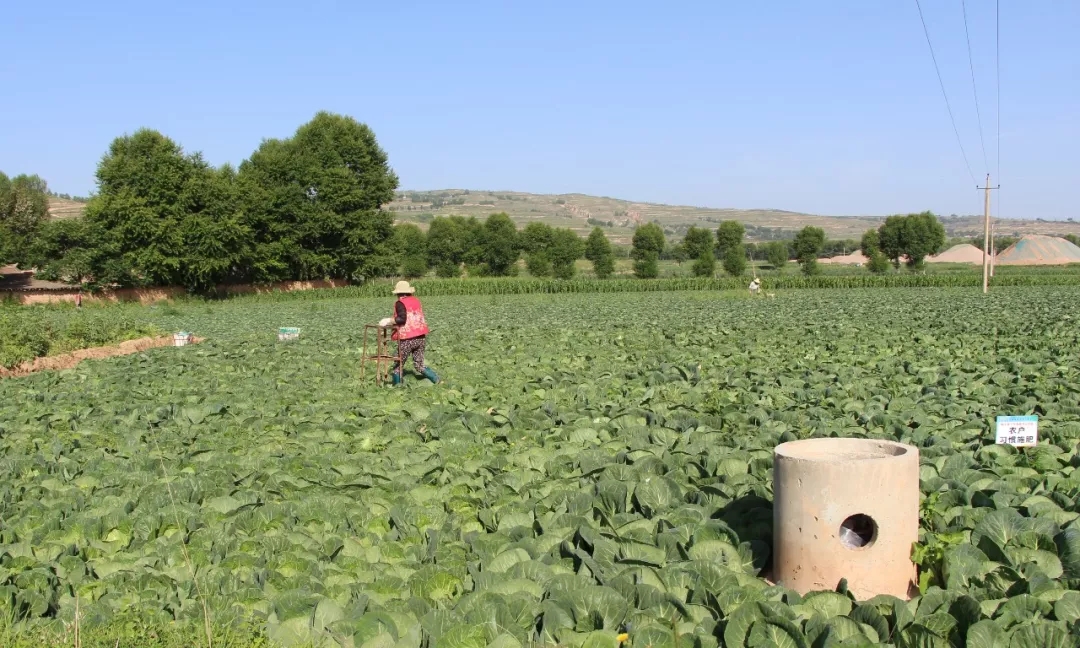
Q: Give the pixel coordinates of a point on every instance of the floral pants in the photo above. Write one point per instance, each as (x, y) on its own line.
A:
(414, 348)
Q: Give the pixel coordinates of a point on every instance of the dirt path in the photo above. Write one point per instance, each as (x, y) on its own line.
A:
(69, 360)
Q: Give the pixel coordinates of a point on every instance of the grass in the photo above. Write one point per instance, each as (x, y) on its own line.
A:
(28, 332)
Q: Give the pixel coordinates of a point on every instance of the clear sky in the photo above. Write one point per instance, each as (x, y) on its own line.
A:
(829, 107)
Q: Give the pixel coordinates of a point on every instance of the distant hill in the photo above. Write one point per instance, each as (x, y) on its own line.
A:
(620, 217)
(64, 208)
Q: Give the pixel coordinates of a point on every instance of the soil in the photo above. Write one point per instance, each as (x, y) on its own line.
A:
(69, 360)
(963, 253)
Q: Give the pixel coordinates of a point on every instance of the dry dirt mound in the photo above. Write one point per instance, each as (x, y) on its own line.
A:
(69, 360)
(963, 253)
(855, 258)
(1037, 249)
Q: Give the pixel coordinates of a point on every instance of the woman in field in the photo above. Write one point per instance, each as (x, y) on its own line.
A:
(411, 333)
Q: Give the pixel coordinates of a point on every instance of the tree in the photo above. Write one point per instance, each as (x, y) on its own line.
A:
(735, 260)
(410, 244)
(500, 246)
(24, 208)
(728, 234)
(808, 244)
(536, 236)
(65, 250)
(648, 243)
(871, 243)
(915, 236)
(698, 245)
(538, 264)
(160, 217)
(705, 265)
(777, 254)
(697, 241)
(452, 241)
(870, 246)
(1073, 238)
(566, 248)
(598, 250)
(313, 203)
(877, 263)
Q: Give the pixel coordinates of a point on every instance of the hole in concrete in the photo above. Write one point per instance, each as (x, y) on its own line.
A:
(858, 531)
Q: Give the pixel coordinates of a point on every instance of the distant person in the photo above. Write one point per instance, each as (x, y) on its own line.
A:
(78, 300)
(755, 286)
(410, 331)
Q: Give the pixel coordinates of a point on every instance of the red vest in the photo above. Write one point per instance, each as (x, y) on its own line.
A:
(415, 325)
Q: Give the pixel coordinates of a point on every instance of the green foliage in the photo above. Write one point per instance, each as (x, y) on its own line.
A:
(538, 264)
(566, 248)
(915, 236)
(776, 253)
(878, 263)
(598, 251)
(735, 260)
(705, 265)
(66, 250)
(728, 235)
(160, 217)
(452, 241)
(536, 237)
(410, 244)
(808, 244)
(697, 241)
(500, 246)
(525, 501)
(648, 243)
(312, 203)
(24, 208)
(28, 332)
(870, 243)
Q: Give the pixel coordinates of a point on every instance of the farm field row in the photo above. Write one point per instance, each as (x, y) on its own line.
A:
(591, 464)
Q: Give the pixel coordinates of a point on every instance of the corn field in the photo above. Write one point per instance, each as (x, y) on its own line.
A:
(529, 286)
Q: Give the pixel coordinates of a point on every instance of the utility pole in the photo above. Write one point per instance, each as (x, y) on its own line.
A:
(986, 236)
(993, 248)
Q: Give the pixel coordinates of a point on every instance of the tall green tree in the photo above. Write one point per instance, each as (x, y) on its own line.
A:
(915, 236)
(728, 234)
(870, 246)
(705, 264)
(163, 217)
(536, 237)
(566, 248)
(697, 241)
(808, 244)
(410, 246)
(698, 245)
(776, 253)
(24, 208)
(735, 260)
(500, 246)
(598, 251)
(452, 241)
(648, 243)
(313, 203)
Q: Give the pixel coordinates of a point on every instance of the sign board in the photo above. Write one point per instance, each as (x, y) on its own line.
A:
(1019, 431)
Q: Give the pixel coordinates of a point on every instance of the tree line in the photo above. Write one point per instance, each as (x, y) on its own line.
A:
(311, 207)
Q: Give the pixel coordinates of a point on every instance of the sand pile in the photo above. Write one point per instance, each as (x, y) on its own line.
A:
(1037, 249)
(963, 253)
(855, 258)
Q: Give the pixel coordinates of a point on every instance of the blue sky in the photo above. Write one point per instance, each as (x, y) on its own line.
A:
(826, 107)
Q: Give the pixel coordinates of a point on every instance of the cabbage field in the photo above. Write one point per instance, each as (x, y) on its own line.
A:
(594, 469)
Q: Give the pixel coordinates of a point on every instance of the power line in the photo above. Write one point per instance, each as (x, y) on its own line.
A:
(974, 90)
(997, 65)
(948, 106)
